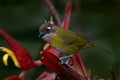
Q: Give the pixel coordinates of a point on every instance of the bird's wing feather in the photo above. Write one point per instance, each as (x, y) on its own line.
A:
(70, 37)
(67, 36)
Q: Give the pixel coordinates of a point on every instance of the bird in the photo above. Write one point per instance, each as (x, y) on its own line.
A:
(65, 41)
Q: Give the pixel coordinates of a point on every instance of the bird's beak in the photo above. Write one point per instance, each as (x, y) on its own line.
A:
(41, 35)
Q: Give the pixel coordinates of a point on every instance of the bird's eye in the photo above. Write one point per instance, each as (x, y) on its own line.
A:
(48, 28)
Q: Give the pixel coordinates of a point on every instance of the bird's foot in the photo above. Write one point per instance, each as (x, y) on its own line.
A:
(66, 60)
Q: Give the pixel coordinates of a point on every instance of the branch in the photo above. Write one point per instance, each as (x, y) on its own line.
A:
(53, 11)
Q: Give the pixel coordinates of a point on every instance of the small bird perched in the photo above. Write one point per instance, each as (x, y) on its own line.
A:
(63, 40)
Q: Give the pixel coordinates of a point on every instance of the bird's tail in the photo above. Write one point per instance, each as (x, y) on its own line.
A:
(101, 49)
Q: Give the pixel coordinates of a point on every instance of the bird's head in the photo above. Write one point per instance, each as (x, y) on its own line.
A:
(47, 30)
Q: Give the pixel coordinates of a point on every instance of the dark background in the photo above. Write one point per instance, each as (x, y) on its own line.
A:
(97, 20)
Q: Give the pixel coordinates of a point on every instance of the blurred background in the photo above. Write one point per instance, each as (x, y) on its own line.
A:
(97, 20)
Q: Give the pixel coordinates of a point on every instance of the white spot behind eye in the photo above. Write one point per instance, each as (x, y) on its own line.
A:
(48, 27)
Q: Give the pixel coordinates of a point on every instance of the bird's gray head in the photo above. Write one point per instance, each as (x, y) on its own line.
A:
(47, 30)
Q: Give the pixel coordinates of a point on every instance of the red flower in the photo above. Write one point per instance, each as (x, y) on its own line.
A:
(12, 78)
(63, 71)
(46, 76)
(19, 52)
(78, 65)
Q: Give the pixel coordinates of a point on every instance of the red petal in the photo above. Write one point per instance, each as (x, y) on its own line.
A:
(50, 49)
(66, 21)
(63, 70)
(46, 76)
(12, 78)
(51, 61)
(21, 53)
(69, 74)
(79, 66)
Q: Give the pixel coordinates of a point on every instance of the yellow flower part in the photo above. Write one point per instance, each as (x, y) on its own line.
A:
(11, 54)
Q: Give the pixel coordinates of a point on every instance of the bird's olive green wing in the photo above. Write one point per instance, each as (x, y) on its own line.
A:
(68, 37)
